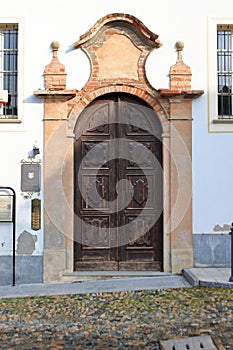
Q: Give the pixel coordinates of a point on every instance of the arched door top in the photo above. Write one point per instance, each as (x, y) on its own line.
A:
(142, 114)
(118, 186)
(83, 100)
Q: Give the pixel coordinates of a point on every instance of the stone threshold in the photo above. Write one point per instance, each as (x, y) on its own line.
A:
(104, 275)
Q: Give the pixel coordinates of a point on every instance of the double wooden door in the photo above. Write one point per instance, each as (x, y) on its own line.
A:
(118, 186)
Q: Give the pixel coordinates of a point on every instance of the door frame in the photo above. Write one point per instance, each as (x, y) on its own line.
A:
(84, 101)
(157, 229)
(176, 121)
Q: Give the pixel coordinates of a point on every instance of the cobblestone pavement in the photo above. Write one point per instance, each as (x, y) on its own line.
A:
(119, 320)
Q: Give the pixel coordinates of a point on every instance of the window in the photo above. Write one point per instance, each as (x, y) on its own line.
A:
(8, 71)
(220, 74)
(225, 74)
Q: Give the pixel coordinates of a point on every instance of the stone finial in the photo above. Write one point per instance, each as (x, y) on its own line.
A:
(54, 74)
(180, 74)
(179, 48)
(55, 47)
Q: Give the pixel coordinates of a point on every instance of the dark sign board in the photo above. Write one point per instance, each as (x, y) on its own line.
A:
(30, 177)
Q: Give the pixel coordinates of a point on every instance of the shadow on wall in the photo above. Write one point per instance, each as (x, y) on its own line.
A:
(33, 99)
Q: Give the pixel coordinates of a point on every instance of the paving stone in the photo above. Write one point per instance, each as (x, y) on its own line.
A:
(117, 320)
(189, 343)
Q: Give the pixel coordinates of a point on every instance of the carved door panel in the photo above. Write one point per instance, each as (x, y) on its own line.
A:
(141, 167)
(95, 189)
(118, 187)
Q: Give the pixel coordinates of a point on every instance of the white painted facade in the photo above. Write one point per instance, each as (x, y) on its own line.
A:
(64, 21)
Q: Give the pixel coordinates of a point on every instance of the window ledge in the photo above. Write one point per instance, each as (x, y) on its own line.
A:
(223, 121)
(10, 121)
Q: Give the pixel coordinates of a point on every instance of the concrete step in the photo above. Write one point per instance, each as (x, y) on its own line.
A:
(80, 276)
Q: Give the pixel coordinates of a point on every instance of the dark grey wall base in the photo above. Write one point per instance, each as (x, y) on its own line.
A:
(212, 250)
(29, 269)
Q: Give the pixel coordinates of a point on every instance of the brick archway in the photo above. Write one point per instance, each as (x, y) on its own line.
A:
(84, 98)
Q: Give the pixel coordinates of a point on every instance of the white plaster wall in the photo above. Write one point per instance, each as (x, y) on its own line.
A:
(65, 21)
(15, 146)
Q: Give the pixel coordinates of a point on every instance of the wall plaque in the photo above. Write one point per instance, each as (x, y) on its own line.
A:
(36, 214)
(6, 208)
(30, 177)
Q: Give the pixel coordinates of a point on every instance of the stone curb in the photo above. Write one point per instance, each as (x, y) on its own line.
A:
(190, 277)
(216, 284)
(195, 281)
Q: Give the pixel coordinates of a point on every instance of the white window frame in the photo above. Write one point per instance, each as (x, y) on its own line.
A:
(17, 123)
(215, 123)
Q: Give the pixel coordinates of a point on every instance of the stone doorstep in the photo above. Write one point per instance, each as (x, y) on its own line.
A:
(109, 275)
(204, 342)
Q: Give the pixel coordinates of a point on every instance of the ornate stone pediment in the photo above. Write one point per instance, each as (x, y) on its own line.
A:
(117, 46)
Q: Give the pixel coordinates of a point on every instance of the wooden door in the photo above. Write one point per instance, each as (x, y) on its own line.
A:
(118, 186)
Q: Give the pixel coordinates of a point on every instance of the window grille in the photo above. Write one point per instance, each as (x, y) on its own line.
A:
(9, 70)
(225, 74)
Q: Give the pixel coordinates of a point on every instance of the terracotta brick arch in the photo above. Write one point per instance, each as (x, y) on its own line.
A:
(84, 98)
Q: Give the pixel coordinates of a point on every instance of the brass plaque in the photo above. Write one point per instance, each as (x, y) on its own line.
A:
(6, 208)
(36, 214)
